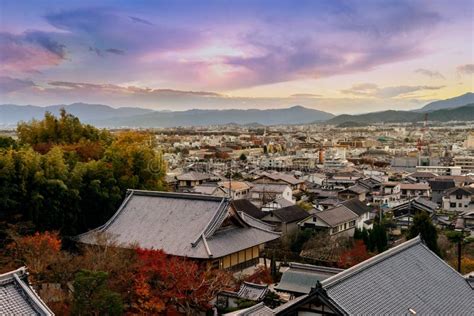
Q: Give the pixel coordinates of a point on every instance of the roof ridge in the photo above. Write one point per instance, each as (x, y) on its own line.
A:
(194, 196)
(370, 262)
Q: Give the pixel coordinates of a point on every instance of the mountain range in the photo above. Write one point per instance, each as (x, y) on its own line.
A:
(458, 108)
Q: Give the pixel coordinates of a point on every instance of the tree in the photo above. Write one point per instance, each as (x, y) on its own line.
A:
(377, 238)
(353, 256)
(261, 276)
(423, 226)
(243, 157)
(172, 283)
(93, 297)
(38, 252)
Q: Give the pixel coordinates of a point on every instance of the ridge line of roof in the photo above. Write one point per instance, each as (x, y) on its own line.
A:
(32, 297)
(370, 262)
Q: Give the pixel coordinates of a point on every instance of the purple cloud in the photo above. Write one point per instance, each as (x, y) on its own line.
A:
(29, 51)
(467, 69)
(8, 84)
(430, 73)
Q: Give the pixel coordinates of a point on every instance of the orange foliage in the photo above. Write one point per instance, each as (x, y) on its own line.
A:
(353, 256)
(37, 251)
(166, 283)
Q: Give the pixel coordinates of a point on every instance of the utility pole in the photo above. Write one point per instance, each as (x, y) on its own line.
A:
(230, 178)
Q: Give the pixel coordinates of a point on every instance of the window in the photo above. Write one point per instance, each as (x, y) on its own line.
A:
(314, 217)
(452, 204)
(335, 229)
(460, 204)
(352, 223)
(458, 197)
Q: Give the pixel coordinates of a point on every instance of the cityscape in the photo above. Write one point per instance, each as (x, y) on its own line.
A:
(237, 158)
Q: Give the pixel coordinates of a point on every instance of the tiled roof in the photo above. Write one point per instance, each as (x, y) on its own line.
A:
(252, 291)
(336, 215)
(408, 276)
(257, 310)
(441, 185)
(356, 206)
(290, 214)
(187, 225)
(244, 205)
(18, 298)
(300, 278)
(193, 176)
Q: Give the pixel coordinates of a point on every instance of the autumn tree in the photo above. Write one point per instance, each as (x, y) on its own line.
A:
(172, 283)
(353, 256)
(38, 252)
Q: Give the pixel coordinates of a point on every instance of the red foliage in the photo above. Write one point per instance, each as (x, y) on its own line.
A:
(353, 256)
(164, 283)
(261, 276)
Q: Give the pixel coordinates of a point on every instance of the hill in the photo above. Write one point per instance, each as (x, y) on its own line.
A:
(106, 116)
(452, 103)
(11, 114)
(463, 113)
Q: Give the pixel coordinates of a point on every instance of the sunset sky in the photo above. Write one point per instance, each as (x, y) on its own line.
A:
(336, 56)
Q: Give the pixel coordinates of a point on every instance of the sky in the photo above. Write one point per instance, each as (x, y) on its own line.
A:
(335, 56)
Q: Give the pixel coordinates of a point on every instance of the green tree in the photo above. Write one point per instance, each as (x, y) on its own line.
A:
(243, 157)
(423, 226)
(93, 297)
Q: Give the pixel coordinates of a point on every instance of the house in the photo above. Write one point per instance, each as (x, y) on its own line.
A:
(17, 297)
(276, 204)
(299, 278)
(262, 193)
(459, 199)
(281, 178)
(286, 219)
(192, 178)
(408, 279)
(342, 180)
(438, 187)
(389, 194)
(204, 228)
(355, 191)
(409, 190)
(209, 188)
(403, 213)
(421, 177)
(238, 189)
(248, 291)
(336, 221)
(363, 212)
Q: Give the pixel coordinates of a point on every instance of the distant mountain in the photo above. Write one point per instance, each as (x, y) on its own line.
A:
(12, 114)
(293, 115)
(463, 113)
(452, 103)
(106, 116)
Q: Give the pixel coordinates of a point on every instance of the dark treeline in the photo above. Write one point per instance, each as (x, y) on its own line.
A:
(64, 175)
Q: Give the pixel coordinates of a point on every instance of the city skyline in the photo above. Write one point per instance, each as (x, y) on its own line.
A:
(335, 56)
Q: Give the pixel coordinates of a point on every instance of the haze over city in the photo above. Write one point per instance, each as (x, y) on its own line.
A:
(334, 56)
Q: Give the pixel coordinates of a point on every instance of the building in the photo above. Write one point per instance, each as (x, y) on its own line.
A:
(285, 219)
(248, 291)
(280, 178)
(261, 193)
(408, 279)
(335, 221)
(459, 199)
(238, 189)
(204, 228)
(299, 278)
(356, 191)
(440, 170)
(192, 179)
(17, 297)
(465, 162)
(438, 187)
(409, 190)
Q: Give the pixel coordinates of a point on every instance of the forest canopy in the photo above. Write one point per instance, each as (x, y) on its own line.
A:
(68, 176)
